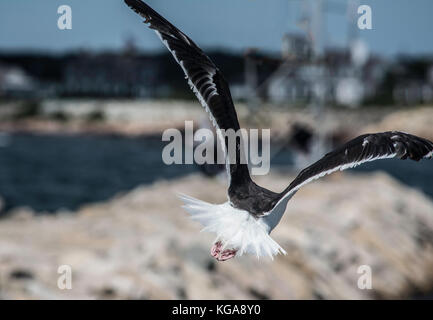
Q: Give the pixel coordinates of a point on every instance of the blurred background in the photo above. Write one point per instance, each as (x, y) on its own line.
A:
(82, 181)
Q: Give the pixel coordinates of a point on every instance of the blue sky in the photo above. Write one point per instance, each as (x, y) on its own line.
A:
(399, 26)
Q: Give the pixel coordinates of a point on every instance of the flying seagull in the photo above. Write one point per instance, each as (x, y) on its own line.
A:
(244, 222)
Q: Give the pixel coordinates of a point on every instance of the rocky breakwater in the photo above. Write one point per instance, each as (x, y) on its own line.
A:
(142, 245)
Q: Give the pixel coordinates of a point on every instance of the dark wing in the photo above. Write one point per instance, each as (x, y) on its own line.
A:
(203, 76)
(365, 148)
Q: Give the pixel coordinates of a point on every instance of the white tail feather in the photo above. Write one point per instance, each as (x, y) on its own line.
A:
(235, 228)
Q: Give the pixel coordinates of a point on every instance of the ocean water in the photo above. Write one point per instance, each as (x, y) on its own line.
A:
(48, 173)
(51, 172)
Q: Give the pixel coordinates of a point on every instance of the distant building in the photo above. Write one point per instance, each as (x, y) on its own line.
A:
(296, 46)
(15, 82)
(412, 82)
(333, 77)
(109, 75)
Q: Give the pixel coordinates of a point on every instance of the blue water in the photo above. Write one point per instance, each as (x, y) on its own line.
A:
(48, 172)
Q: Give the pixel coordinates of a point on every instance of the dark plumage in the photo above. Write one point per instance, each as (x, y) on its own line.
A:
(368, 147)
(204, 77)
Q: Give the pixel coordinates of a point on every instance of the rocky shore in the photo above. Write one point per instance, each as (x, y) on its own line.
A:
(416, 121)
(142, 245)
(132, 118)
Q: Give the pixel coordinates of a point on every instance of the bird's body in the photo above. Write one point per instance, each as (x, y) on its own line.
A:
(244, 222)
(237, 230)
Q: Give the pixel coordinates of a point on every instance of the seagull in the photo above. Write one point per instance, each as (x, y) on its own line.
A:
(243, 224)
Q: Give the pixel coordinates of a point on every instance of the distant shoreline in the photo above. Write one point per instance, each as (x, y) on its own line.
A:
(147, 117)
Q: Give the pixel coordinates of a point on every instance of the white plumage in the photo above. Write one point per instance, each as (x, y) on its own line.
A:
(237, 228)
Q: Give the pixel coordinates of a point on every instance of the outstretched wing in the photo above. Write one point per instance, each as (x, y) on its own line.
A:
(203, 76)
(365, 148)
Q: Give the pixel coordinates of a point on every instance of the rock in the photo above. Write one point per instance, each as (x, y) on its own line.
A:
(417, 121)
(21, 213)
(142, 245)
(21, 274)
